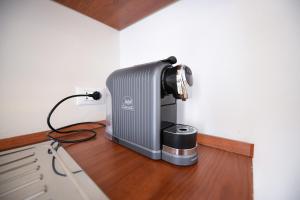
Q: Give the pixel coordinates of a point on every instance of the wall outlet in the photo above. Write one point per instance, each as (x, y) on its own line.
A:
(89, 100)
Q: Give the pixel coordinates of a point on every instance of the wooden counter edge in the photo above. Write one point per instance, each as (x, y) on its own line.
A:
(22, 140)
(234, 146)
(32, 138)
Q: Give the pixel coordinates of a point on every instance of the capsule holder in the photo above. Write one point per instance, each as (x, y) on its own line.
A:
(179, 145)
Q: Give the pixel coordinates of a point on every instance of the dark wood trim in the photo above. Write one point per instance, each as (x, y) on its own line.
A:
(32, 138)
(234, 146)
(23, 140)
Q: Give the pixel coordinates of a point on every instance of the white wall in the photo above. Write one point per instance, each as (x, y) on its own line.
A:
(245, 56)
(46, 50)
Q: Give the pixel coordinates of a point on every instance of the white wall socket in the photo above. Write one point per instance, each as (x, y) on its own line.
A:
(89, 100)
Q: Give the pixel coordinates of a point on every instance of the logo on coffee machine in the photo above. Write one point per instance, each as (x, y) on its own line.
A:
(127, 103)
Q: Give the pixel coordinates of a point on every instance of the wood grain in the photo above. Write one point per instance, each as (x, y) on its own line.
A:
(118, 14)
(234, 146)
(125, 174)
(33, 138)
(23, 140)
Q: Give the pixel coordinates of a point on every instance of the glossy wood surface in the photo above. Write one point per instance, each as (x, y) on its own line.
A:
(124, 174)
(33, 138)
(242, 148)
(116, 13)
(23, 140)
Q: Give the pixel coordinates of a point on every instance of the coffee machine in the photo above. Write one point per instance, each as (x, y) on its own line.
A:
(142, 111)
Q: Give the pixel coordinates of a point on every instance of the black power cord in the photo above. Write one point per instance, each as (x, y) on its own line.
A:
(96, 96)
(53, 160)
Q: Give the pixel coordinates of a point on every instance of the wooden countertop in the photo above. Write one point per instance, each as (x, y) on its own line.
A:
(124, 174)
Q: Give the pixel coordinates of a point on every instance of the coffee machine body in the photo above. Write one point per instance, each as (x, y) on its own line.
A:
(142, 114)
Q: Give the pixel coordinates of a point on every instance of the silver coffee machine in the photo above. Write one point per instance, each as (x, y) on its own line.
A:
(142, 111)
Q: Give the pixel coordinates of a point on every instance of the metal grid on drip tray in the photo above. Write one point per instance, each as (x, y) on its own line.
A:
(26, 173)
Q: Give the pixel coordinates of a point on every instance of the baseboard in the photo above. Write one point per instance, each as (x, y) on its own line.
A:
(22, 140)
(238, 147)
(32, 138)
(234, 146)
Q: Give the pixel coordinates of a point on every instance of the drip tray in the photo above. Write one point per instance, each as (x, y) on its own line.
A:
(26, 173)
